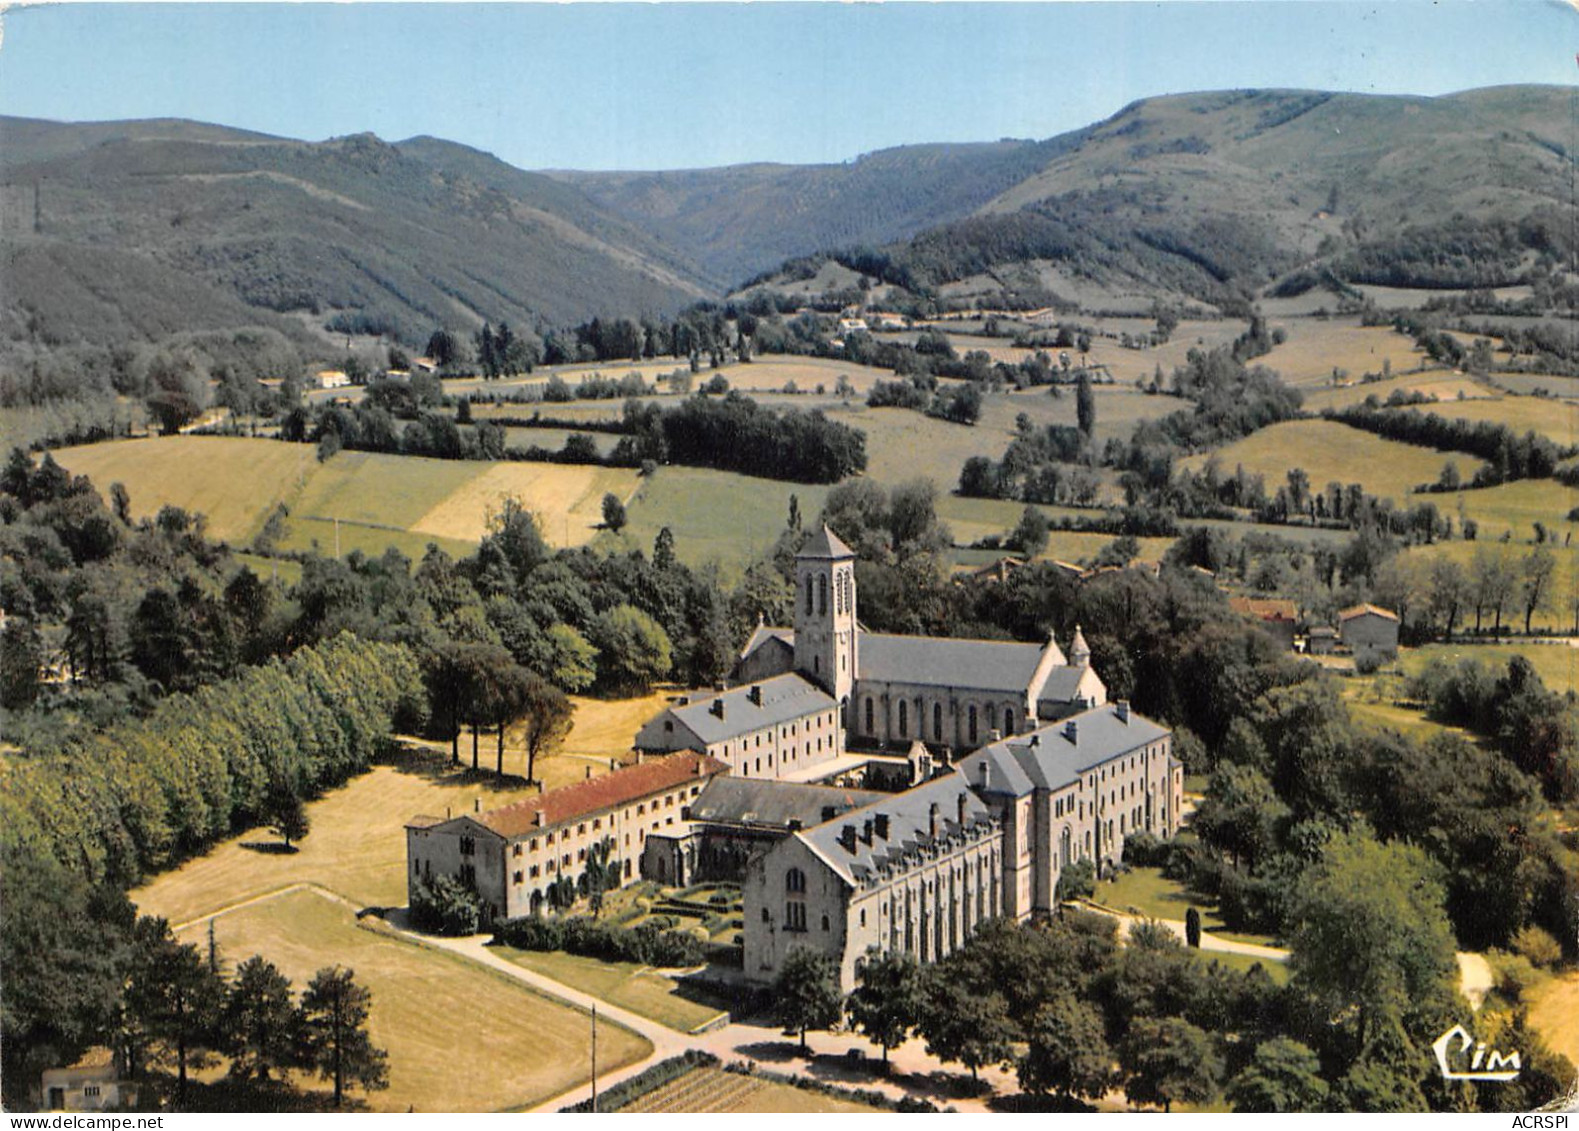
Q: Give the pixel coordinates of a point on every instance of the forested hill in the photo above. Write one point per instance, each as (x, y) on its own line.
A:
(1200, 195)
(114, 232)
(740, 220)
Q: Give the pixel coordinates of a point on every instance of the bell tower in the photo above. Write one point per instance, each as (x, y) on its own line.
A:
(825, 644)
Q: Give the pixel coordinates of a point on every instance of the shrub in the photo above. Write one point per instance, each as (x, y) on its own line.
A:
(442, 905)
(1538, 946)
(629, 1091)
(1077, 881)
(646, 945)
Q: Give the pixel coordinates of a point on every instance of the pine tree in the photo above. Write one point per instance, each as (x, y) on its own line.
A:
(335, 1043)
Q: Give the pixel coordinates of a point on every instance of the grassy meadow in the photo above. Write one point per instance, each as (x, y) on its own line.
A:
(1331, 452)
(1453, 390)
(460, 1037)
(1314, 347)
(643, 991)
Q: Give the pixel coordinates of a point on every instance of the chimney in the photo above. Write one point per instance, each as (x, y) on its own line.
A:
(589, 773)
(794, 825)
(477, 805)
(1036, 740)
(866, 831)
(541, 789)
(447, 813)
(755, 694)
(718, 707)
(880, 822)
(995, 735)
(829, 812)
(538, 819)
(721, 685)
(639, 757)
(960, 807)
(847, 838)
(932, 821)
(613, 765)
(1072, 731)
(986, 773)
(683, 701)
(1121, 709)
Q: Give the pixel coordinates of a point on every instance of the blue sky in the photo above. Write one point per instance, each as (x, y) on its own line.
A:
(601, 86)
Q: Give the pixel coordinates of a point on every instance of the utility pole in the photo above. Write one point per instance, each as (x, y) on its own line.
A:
(594, 1060)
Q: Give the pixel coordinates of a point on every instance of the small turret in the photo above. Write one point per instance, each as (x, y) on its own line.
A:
(1079, 650)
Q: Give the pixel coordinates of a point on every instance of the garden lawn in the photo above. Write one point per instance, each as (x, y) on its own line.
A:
(1146, 891)
(639, 989)
(460, 1037)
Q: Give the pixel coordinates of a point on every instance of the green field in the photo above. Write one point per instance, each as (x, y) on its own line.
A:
(1514, 508)
(234, 482)
(1563, 587)
(1315, 346)
(1444, 385)
(642, 991)
(1330, 452)
(1545, 416)
(1556, 664)
(1146, 891)
(716, 515)
(460, 1037)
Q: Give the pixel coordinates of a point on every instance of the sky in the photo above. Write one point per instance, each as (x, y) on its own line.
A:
(670, 85)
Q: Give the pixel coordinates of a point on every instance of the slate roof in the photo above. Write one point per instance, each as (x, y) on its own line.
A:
(989, 665)
(785, 698)
(825, 544)
(594, 795)
(776, 804)
(765, 633)
(1047, 759)
(1063, 684)
(909, 827)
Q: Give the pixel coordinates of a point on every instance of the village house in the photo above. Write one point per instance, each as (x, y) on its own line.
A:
(1369, 631)
(1278, 616)
(509, 857)
(93, 1083)
(332, 379)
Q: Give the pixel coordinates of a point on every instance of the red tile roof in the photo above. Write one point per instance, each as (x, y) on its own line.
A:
(1361, 610)
(654, 775)
(1267, 608)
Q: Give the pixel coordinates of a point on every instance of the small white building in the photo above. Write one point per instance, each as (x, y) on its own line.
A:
(332, 378)
(94, 1083)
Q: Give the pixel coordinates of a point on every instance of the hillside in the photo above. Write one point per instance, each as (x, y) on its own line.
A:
(744, 219)
(1212, 194)
(115, 231)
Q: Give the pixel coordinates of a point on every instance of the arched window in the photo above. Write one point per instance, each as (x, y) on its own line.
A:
(937, 721)
(870, 728)
(822, 594)
(825, 922)
(992, 715)
(971, 724)
(808, 593)
(765, 915)
(795, 880)
(1008, 720)
(904, 719)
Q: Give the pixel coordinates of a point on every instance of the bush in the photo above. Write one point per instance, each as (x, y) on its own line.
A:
(442, 905)
(629, 1091)
(1367, 662)
(1079, 880)
(1538, 946)
(1146, 850)
(646, 945)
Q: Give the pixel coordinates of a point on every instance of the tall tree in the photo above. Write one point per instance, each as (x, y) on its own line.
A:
(963, 1025)
(806, 993)
(260, 1022)
(286, 814)
(546, 715)
(1169, 1061)
(1085, 406)
(175, 998)
(1067, 1052)
(335, 1042)
(1535, 574)
(1283, 1075)
(886, 1003)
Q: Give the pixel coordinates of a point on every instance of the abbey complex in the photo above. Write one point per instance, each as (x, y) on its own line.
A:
(866, 790)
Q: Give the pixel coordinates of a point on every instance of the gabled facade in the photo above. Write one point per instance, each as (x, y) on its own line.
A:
(510, 857)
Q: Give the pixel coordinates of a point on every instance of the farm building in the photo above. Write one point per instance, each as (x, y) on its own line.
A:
(1369, 630)
(1279, 617)
(93, 1083)
(1322, 641)
(332, 378)
(510, 857)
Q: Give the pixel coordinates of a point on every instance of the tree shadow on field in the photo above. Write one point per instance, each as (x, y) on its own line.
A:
(271, 847)
(435, 766)
(772, 1052)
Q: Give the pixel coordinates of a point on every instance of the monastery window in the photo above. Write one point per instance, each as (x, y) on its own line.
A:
(863, 916)
(759, 765)
(668, 802)
(517, 878)
(535, 871)
(469, 875)
(870, 728)
(565, 863)
(904, 719)
(808, 594)
(581, 829)
(531, 845)
(550, 867)
(695, 789)
(670, 821)
(597, 823)
(825, 922)
(668, 726)
(972, 724)
(794, 916)
(515, 849)
(765, 916)
(795, 880)
(641, 811)
(90, 1089)
(468, 846)
(1008, 720)
(822, 594)
(937, 721)
(992, 715)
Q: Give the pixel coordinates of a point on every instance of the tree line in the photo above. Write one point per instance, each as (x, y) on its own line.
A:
(1507, 454)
